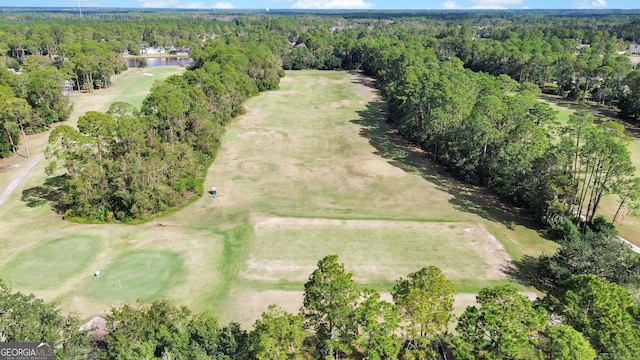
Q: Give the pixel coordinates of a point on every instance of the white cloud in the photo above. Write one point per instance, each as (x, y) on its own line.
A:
(180, 4)
(223, 5)
(170, 4)
(592, 4)
(331, 4)
(494, 4)
(450, 5)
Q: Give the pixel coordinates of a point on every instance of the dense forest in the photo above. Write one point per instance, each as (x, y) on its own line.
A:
(463, 86)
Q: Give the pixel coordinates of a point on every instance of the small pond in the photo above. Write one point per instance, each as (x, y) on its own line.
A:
(159, 61)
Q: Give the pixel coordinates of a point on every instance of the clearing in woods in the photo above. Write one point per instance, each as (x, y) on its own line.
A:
(310, 170)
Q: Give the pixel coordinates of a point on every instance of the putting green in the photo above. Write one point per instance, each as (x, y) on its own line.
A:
(138, 275)
(52, 263)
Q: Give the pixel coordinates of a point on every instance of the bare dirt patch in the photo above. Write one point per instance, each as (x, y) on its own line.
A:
(285, 80)
(8, 167)
(489, 248)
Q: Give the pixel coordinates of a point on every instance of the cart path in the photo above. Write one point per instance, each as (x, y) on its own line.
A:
(633, 247)
(12, 186)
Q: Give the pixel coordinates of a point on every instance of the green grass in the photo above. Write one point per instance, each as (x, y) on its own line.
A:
(314, 170)
(141, 274)
(51, 263)
(134, 88)
(563, 112)
(309, 170)
(377, 252)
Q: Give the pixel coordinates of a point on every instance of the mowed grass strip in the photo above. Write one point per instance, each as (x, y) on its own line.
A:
(52, 263)
(137, 275)
(287, 249)
(313, 149)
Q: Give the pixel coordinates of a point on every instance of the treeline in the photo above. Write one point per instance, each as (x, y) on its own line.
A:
(582, 56)
(571, 53)
(587, 318)
(567, 59)
(494, 132)
(29, 102)
(466, 91)
(127, 165)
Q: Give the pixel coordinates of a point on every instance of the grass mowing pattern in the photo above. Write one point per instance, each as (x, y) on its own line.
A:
(376, 252)
(52, 263)
(139, 274)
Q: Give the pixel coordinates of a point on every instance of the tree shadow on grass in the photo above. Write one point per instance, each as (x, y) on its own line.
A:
(391, 146)
(49, 192)
(529, 271)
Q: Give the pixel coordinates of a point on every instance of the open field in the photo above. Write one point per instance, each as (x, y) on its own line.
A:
(314, 171)
(629, 226)
(309, 170)
(377, 251)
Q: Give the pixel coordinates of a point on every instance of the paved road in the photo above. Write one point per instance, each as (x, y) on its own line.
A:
(5, 194)
(632, 246)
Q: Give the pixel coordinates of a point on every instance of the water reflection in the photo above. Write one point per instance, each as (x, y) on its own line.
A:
(159, 61)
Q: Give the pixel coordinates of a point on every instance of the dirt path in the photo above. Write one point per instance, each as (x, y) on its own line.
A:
(7, 192)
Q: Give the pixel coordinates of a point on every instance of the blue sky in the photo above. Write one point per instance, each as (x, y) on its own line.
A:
(340, 4)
